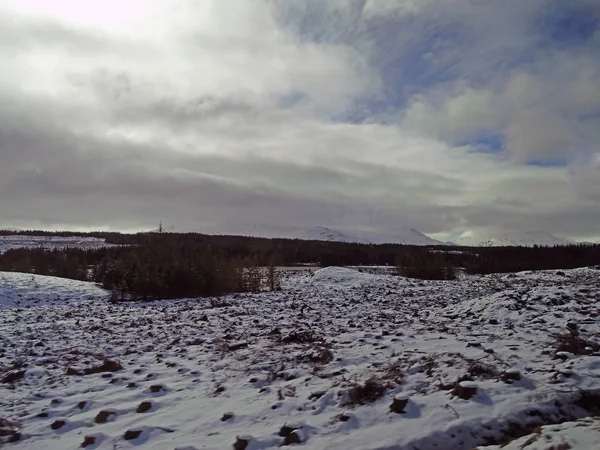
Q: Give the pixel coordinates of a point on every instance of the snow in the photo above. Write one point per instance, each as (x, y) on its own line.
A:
(25, 290)
(580, 434)
(332, 277)
(406, 236)
(49, 242)
(305, 349)
(521, 239)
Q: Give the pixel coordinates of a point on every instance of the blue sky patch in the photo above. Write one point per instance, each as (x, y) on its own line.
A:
(568, 24)
(486, 142)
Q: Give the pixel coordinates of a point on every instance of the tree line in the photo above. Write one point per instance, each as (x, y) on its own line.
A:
(174, 265)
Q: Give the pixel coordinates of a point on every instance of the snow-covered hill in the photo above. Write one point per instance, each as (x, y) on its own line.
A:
(337, 359)
(50, 242)
(407, 236)
(523, 239)
(318, 233)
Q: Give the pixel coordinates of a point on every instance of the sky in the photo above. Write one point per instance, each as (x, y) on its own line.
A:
(439, 115)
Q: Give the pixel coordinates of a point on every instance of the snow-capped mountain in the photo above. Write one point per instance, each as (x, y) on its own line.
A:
(517, 238)
(408, 236)
(318, 233)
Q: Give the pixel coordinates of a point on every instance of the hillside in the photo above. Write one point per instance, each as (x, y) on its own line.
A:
(406, 236)
(521, 239)
(337, 357)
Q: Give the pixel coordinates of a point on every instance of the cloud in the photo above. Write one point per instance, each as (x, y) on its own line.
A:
(541, 115)
(440, 115)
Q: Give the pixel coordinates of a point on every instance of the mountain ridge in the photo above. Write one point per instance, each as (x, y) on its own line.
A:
(408, 236)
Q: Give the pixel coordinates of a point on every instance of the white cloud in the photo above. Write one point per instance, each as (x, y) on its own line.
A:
(242, 111)
(540, 115)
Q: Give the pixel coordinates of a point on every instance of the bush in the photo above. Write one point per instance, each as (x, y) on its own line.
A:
(367, 392)
(159, 270)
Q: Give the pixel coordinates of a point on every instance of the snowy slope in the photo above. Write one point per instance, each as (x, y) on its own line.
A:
(50, 242)
(282, 232)
(579, 434)
(319, 233)
(523, 239)
(196, 374)
(26, 290)
(404, 236)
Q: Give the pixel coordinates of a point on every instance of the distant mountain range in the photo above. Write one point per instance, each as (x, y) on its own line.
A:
(523, 239)
(407, 236)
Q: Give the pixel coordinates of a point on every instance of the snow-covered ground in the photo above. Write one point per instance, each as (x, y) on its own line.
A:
(513, 239)
(50, 242)
(339, 359)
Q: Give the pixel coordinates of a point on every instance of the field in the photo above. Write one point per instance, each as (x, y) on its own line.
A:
(9, 242)
(338, 359)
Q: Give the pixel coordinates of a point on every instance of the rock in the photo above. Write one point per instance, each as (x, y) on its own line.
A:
(58, 424)
(241, 442)
(564, 355)
(316, 395)
(82, 404)
(399, 403)
(103, 416)
(227, 416)
(144, 407)
(345, 417)
(237, 346)
(88, 440)
(132, 434)
(157, 388)
(295, 437)
(15, 436)
(131, 385)
(493, 321)
(13, 376)
(510, 376)
(286, 430)
(9, 431)
(465, 390)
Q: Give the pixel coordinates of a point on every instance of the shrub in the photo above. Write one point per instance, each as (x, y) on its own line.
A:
(367, 392)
